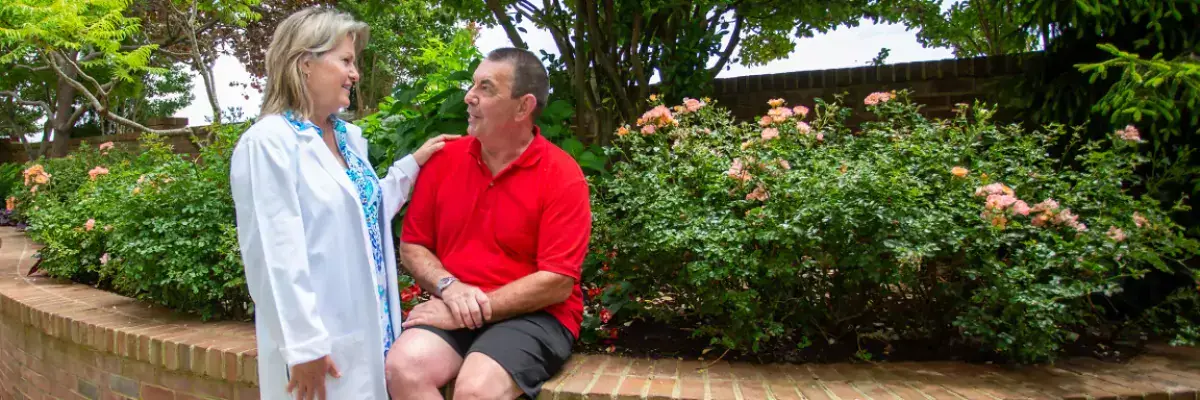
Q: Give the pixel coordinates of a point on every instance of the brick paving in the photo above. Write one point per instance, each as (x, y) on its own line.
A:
(1163, 372)
(62, 340)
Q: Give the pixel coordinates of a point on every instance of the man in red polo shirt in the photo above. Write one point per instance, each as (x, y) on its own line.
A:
(497, 229)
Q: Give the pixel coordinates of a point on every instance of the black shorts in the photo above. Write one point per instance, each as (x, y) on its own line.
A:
(531, 347)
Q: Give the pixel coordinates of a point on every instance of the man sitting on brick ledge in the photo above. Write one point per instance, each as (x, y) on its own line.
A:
(497, 230)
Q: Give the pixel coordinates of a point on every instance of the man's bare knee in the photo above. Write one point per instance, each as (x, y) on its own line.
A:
(420, 361)
(482, 378)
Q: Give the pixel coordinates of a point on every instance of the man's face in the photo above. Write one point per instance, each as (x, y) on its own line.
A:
(490, 104)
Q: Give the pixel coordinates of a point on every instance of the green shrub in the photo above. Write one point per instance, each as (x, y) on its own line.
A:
(800, 229)
(10, 179)
(151, 225)
(434, 105)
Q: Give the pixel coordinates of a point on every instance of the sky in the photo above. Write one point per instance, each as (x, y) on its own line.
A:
(844, 47)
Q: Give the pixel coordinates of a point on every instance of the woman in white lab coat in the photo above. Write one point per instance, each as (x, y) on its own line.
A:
(314, 220)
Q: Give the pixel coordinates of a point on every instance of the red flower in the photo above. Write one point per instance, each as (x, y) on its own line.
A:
(410, 293)
(612, 333)
(605, 315)
(595, 292)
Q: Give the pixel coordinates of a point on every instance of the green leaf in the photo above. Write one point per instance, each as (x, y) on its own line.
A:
(463, 76)
(572, 146)
(454, 106)
(559, 110)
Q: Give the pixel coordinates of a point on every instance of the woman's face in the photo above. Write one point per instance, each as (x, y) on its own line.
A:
(329, 78)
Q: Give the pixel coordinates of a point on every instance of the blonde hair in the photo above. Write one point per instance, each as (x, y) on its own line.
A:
(307, 34)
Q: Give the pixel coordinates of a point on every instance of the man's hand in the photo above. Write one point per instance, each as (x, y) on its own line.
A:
(308, 379)
(433, 313)
(468, 304)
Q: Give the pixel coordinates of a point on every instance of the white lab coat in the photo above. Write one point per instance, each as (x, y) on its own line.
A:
(307, 256)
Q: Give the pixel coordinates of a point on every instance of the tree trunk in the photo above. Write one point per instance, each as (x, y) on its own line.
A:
(64, 100)
(209, 85)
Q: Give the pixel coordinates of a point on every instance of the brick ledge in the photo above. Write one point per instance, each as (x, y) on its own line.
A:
(124, 327)
(113, 324)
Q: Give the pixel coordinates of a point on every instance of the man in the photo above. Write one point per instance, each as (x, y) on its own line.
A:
(497, 230)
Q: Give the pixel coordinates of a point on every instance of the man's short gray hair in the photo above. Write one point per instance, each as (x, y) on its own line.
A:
(529, 75)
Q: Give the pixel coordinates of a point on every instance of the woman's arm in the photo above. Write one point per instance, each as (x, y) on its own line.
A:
(398, 184)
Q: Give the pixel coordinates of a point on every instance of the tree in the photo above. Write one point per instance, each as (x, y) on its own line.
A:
(84, 43)
(195, 32)
(398, 31)
(611, 49)
(975, 28)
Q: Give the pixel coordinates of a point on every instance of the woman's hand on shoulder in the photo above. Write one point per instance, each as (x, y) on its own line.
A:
(432, 146)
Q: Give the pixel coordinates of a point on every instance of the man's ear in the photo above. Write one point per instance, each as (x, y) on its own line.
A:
(528, 104)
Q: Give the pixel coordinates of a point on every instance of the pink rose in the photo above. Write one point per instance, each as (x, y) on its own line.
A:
(803, 127)
(802, 111)
(770, 133)
(1020, 208)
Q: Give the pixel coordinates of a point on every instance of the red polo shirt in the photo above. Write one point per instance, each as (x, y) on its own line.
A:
(489, 230)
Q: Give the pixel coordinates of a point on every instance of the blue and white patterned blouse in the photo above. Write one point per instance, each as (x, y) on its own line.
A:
(370, 196)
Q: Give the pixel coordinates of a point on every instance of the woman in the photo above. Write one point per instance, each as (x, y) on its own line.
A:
(314, 221)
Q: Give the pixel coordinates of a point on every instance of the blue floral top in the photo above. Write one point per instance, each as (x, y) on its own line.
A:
(371, 198)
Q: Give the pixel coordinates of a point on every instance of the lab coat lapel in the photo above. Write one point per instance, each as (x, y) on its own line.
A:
(313, 142)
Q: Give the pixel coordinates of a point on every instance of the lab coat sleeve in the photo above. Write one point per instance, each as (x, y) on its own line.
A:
(263, 178)
(398, 184)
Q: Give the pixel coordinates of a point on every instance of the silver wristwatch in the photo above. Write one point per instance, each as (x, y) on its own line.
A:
(443, 283)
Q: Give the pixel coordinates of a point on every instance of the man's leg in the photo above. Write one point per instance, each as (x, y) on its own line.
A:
(419, 363)
(514, 357)
(482, 377)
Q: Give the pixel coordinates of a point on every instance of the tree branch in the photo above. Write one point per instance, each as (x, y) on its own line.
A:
(17, 98)
(635, 56)
(81, 73)
(33, 69)
(74, 83)
(121, 120)
(733, 42)
(509, 28)
(561, 37)
(75, 116)
(717, 16)
(602, 58)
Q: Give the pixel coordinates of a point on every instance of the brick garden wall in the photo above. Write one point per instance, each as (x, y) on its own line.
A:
(14, 152)
(60, 340)
(936, 84)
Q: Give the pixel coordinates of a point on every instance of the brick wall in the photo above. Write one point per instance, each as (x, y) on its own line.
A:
(60, 340)
(14, 152)
(936, 84)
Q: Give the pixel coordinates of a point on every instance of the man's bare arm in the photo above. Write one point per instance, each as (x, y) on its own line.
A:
(423, 265)
(532, 293)
(469, 305)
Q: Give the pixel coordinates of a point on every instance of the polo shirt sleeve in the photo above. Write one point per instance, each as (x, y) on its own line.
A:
(564, 231)
(419, 225)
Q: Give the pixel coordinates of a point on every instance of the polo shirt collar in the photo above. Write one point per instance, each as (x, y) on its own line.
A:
(529, 157)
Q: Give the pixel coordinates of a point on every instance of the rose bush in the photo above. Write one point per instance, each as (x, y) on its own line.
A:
(141, 221)
(797, 229)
